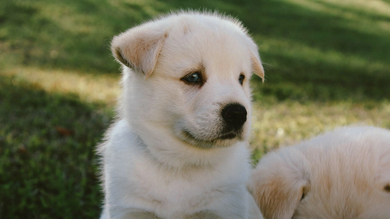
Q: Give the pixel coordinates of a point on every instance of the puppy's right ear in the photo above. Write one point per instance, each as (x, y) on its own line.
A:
(139, 47)
(279, 183)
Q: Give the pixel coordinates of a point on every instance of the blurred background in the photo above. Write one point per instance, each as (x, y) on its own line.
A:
(327, 64)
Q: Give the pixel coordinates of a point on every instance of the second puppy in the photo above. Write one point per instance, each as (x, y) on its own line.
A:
(343, 174)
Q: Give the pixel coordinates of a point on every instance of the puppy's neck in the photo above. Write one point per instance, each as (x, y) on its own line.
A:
(170, 152)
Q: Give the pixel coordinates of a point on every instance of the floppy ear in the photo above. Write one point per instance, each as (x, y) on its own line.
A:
(279, 182)
(256, 65)
(139, 47)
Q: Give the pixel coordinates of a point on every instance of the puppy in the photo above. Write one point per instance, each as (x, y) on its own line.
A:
(343, 174)
(179, 148)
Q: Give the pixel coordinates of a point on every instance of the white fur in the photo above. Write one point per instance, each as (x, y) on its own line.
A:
(343, 174)
(151, 167)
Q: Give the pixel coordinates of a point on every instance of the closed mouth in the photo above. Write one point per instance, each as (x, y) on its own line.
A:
(229, 135)
(224, 136)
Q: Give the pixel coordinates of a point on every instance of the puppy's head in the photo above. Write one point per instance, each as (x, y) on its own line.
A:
(187, 75)
(332, 176)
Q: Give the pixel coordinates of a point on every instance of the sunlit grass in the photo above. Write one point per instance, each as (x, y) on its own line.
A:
(285, 123)
(89, 87)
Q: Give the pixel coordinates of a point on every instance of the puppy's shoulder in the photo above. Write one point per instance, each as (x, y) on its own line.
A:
(119, 139)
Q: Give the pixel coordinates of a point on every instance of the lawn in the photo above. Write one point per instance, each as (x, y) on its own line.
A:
(327, 65)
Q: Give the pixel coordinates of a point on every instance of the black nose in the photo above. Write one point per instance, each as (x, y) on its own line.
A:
(234, 115)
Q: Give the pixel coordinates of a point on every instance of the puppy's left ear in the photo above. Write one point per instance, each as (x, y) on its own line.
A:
(256, 65)
(139, 47)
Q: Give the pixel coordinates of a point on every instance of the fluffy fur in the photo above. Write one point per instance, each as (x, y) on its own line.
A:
(170, 155)
(343, 174)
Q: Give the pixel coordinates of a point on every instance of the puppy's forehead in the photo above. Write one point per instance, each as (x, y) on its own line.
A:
(216, 44)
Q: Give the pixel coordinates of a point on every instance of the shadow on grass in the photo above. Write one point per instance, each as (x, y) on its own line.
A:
(47, 162)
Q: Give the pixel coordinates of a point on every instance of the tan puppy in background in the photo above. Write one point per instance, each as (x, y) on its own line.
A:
(180, 146)
(343, 174)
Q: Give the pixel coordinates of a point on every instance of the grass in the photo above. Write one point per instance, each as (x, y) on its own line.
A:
(326, 63)
(47, 160)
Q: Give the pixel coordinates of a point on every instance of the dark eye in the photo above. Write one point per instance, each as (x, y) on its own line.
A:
(241, 79)
(193, 78)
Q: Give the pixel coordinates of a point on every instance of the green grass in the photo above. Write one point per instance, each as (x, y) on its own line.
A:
(47, 160)
(327, 64)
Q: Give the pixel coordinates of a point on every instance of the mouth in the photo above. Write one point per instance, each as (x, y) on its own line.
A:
(229, 135)
(220, 140)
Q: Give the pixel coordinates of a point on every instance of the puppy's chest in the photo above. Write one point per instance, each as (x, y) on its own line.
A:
(189, 189)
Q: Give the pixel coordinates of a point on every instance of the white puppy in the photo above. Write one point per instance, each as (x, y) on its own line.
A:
(179, 148)
(343, 174)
